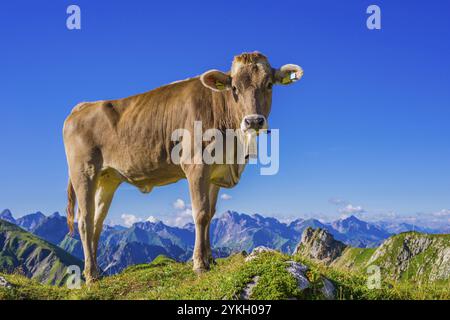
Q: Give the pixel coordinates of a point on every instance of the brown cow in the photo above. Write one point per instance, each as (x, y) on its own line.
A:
(129, 140)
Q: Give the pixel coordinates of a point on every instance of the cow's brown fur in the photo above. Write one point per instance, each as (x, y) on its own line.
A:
(249, 58)
(129, 140)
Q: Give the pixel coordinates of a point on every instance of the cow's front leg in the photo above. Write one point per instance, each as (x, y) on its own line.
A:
(198, 178)
(106, 187)
(213, 193)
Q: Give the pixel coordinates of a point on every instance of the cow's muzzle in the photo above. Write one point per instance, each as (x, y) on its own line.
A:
(253, 121)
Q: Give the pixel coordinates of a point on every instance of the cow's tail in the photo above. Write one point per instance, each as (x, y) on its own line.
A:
(71, 199)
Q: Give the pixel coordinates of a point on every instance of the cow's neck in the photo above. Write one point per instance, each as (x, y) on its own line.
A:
(226, 111)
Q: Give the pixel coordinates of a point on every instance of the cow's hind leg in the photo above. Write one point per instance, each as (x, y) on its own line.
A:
(84, 176)
(107, 184)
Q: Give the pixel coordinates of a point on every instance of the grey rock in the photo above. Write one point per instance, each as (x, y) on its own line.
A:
(297, 266)
(328, 289)
(441, 268)
(257, 251)
(297, 270)
(4, 283)
(247, 292)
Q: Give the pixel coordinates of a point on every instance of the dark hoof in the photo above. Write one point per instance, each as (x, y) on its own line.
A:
(91, 279)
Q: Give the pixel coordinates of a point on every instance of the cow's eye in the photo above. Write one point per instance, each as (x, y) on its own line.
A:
(235, 90)
(270, 85)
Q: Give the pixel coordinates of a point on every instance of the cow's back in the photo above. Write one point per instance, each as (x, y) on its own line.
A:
(133, 134)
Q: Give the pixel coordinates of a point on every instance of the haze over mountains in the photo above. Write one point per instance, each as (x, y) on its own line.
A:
(230, 232)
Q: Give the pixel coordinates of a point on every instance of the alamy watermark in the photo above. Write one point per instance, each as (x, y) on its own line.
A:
(232, 146)
(74, 279)
(73, 21)
(374, 20)
(374, 277)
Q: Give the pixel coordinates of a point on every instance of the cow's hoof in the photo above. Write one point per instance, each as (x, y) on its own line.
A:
(90, 281)
(200, 270)
(91, 277)
(209, 262)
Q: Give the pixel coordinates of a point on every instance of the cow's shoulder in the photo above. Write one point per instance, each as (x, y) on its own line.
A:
(88, 116)
(81, 106)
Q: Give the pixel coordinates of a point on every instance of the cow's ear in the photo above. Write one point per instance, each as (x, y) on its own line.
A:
(216, 80)
(287, 74)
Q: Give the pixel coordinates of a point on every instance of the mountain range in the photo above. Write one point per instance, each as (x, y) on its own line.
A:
(230, 232)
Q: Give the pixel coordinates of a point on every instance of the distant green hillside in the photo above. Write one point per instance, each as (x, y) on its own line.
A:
(167, 279)
(24, 253)
(411, 257)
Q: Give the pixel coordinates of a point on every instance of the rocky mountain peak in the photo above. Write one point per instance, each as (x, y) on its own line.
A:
(351, 219)
(55, 215)
(230, 215)
(7, 216)
(349, 222)
(30, 221)
(318, 244)
(149, 225)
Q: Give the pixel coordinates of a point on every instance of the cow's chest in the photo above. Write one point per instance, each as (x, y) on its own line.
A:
(227, 175)
(146, 180)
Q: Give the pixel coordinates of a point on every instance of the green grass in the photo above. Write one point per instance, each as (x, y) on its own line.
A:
(29, 289)
(352, 285)
(354, 258)
(167, 279)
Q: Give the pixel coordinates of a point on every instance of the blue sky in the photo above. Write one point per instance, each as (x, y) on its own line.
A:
(367, 125)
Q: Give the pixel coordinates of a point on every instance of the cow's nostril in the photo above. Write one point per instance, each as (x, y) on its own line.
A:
(260, 121)
(247, 122)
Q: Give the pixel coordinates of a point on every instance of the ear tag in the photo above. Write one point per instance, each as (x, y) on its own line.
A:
(293, 76)
(220, 85)
(286, 80)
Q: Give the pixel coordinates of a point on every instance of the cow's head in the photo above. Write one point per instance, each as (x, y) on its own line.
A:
(250, 84)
